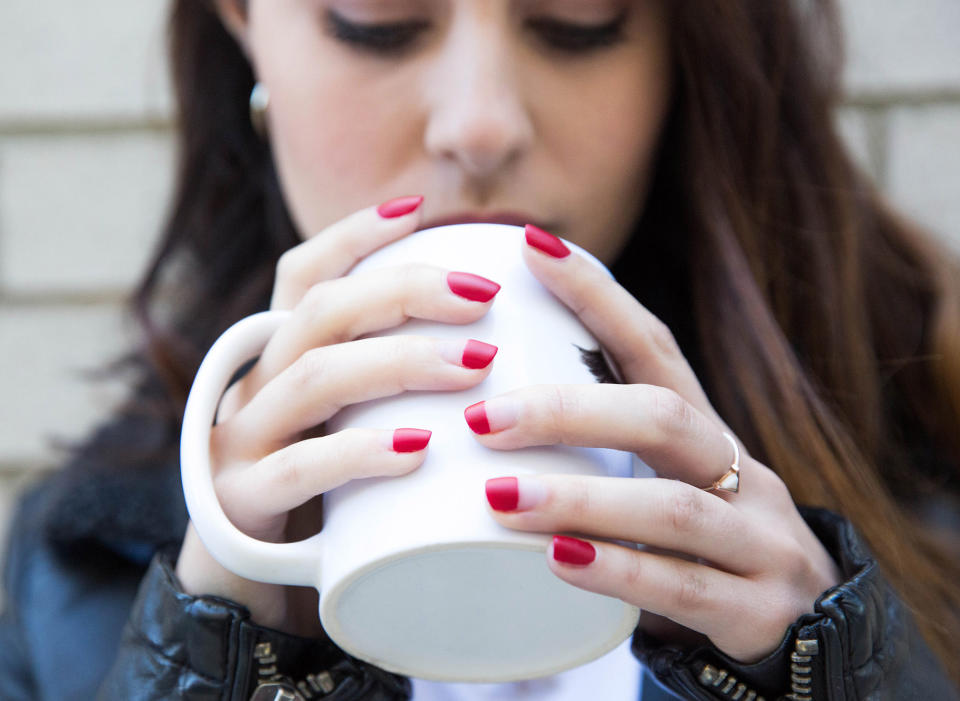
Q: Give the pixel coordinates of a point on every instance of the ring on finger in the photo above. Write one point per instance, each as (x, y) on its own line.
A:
(729, 481)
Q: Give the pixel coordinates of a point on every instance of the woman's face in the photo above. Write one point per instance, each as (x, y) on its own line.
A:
(540, 111)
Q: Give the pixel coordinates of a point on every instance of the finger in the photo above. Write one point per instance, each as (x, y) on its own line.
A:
(656, 423)
(642, 346)
(324, 380)
(339, 247)
(668, 514)
(692, 594)
(254, 496)
(347, 308)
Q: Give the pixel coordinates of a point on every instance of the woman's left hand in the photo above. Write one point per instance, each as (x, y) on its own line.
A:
(738, 568)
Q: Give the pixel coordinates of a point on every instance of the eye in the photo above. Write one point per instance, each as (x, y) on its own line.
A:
(394, 38)
(578, 38)
(385, 39)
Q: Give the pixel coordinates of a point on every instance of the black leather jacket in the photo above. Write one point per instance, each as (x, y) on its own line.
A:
(89, 617)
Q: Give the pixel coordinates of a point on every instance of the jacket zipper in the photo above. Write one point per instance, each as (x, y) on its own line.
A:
(801, 672)
(726, 684)
(801, 679)
(274, 687)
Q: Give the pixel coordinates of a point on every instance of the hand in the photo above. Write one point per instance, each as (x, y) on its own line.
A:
(268, 463)
(738, 568)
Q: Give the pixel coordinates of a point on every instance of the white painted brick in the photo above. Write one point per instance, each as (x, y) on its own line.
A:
(83, 59)
(852, 123)
(46, 395)
(81, 212)
(924, 166)
(893, 45)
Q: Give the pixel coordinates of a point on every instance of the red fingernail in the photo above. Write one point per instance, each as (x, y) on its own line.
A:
(476, 416)
(477, 354)
(391, 209)
(410, 440)
(472, 287)
(573, 551)
(503, 493)
(545, 242)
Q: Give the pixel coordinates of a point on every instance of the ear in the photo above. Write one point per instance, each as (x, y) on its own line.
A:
(233, 15)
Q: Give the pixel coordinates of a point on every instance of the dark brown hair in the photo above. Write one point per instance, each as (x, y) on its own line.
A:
(826, 329)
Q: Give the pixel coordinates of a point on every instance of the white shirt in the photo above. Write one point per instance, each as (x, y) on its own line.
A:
(613, 677)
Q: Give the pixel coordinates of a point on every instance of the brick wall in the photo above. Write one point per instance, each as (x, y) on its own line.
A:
(85, 167)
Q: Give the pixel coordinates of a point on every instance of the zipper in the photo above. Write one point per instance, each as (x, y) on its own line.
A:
(801, 671)
(272, 686)
(801, 676)
(725, 683)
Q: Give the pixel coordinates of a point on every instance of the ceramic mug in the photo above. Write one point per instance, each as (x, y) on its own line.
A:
(414, 574)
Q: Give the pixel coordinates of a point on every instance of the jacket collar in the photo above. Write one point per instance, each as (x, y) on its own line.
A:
(110, 497)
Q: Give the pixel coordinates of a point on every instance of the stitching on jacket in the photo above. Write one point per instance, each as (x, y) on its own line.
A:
(225, 646)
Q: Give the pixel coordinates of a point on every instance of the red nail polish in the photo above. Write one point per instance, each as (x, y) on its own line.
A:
(545, 242)
(503, 493)
(410, 440)
(477, 354)
(476, 416)
(472, 287)
(573, 551)
(392, 209)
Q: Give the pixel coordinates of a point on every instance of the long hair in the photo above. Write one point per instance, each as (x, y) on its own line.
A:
(826, 329)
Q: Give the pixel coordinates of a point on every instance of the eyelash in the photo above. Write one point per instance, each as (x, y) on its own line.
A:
(394, 39)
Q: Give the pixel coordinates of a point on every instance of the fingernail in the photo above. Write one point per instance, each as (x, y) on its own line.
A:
(391, 209)
(476, 416)
(410, 440)
(473, 354)
(477, 354)
(492, 415)
(513, 494)
(472, 287)
(545, 242)
(573, 551)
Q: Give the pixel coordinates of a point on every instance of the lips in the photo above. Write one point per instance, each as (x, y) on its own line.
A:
(512, 218)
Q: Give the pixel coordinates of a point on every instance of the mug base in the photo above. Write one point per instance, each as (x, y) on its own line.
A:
(472, 612)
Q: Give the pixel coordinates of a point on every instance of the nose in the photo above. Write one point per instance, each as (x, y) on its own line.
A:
(477, 117)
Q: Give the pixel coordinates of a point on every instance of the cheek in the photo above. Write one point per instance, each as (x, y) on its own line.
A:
(328, 143)
(333, 142)
(612, 146)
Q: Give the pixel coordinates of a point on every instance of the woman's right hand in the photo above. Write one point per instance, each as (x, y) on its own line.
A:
(267, 470)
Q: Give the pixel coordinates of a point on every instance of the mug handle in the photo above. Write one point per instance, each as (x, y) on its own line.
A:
(277, 563)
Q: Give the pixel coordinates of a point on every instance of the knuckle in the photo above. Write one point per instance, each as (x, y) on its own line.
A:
(287, 268)
(284, 469)
(412, 288)
(402, 355)
(797, 566)
(309, 366)
(314, 298)
(314, 305)
(563, 406)
(344, 239)
(690, 591)
(661, 339)
(633, 574)
(671, 414)
(774, 484)
(578, 504)
(686, 513)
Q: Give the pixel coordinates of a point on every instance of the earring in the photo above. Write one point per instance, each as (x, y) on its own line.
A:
(259, 99)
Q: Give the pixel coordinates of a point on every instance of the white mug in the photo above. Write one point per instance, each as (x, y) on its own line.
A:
(414, 574)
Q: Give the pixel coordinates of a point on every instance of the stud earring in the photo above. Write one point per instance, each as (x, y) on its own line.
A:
(259, 100)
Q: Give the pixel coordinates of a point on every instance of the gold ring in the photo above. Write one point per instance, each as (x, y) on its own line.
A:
(730, 480)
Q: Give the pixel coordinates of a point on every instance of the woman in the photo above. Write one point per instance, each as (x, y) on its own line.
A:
(767, 293)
